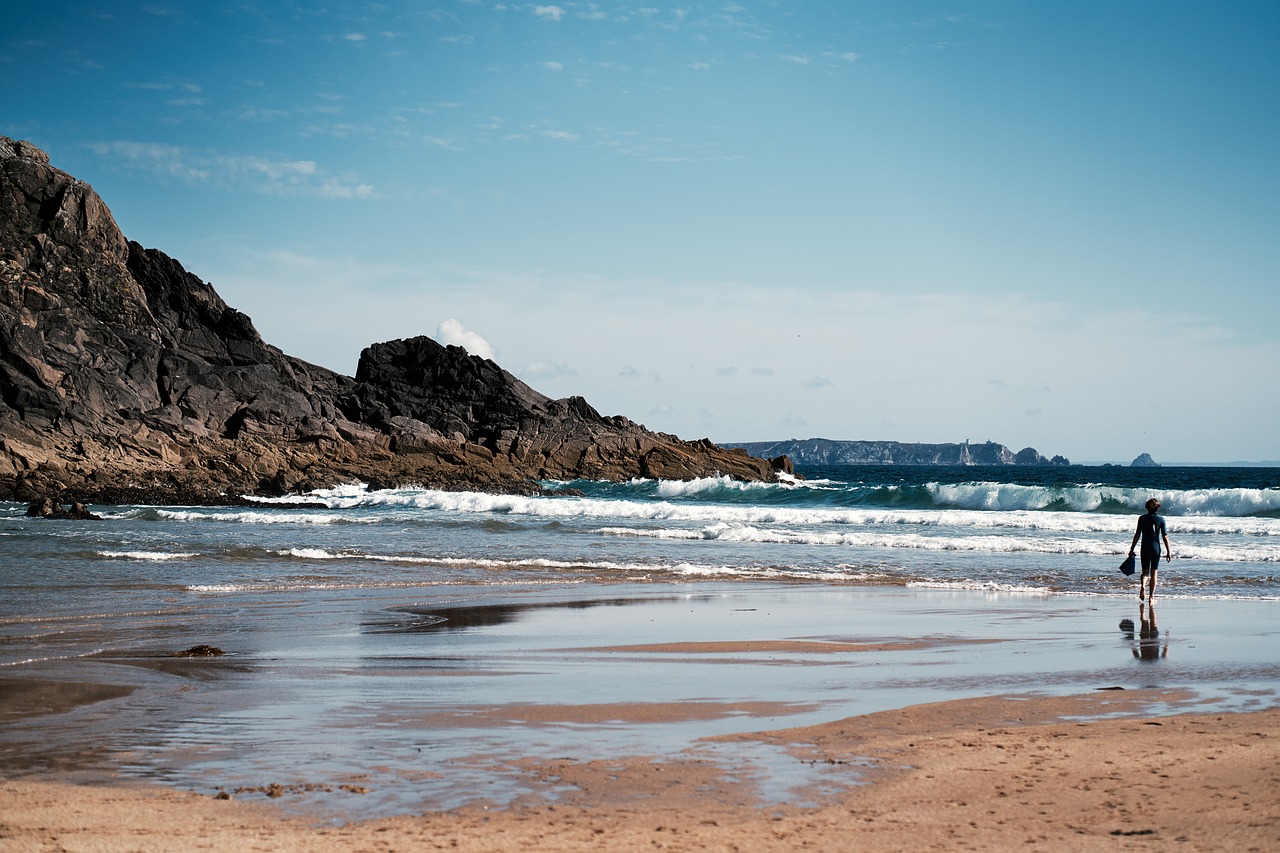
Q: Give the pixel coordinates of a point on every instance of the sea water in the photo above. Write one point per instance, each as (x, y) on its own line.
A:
(390, 639)
(1033, 531)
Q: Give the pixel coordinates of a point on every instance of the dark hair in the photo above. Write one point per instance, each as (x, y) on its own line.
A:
(1152, 504)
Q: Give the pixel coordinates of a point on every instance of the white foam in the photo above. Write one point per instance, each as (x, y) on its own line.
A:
(980, 505)
(878, 538)
(1091, 496)
(265, 516)
(304, 586)
(156, 556)
(705, 485)
(982, 586)
(310, 554)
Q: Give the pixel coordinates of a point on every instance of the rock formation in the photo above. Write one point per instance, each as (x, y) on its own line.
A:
(823, 451)
(123, 377)
(1144, 460)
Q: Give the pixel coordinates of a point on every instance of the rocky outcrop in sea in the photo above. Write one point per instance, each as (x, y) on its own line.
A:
(125, 378)
(824, 451)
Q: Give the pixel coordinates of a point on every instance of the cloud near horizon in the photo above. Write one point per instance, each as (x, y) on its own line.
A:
(452, 333)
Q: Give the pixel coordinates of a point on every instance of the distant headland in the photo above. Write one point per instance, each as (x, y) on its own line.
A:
(825, 451)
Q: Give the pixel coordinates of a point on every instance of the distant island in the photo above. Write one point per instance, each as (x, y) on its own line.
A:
(825, 451)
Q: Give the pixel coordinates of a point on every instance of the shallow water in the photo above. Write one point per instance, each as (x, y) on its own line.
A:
(425, 700)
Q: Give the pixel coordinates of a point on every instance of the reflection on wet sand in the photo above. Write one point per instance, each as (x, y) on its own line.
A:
(25, 697)
(411, 620)
(1148, 645)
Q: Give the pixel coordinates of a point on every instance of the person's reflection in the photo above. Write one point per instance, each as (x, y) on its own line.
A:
(1148, 646)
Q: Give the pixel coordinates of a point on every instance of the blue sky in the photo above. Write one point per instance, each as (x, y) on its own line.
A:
(1044, 224)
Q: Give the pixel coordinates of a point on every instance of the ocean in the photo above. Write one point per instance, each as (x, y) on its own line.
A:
(411, 630)
(1022, 531)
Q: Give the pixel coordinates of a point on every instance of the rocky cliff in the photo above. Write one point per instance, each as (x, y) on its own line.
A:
(124, 377)
(823, 451)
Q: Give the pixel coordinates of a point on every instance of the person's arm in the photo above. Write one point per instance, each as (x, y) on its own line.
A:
(1168, 555)
(1134, 543)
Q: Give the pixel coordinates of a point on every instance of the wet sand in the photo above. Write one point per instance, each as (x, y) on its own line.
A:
(987, 774)
(686, 717)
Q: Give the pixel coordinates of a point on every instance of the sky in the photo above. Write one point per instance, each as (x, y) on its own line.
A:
(1053, 225)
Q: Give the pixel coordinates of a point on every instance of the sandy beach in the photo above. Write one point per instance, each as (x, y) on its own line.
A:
(694, 716)
(988, 774)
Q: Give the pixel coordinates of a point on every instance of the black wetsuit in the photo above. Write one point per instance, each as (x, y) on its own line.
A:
(1152, 528)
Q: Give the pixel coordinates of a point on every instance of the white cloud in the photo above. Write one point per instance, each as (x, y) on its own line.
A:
(157, 157)
(798, 60)
(333, 188)
(547, 370)
(552, 66)
(555, 13)
(452, 333)
(257, 173)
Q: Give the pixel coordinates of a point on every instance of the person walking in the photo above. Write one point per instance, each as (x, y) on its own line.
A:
(1151, 529)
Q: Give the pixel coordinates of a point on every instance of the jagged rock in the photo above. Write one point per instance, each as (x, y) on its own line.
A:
(1144, 460)
(49, 508)
(783, 465)
(123, 377)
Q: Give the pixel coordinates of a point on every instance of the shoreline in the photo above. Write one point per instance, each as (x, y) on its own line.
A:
(999, 773)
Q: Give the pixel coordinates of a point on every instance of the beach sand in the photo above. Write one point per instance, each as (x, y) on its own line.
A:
(985, 774)
(677, 718)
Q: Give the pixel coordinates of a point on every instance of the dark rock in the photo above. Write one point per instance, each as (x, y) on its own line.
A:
(1029, 456)
(200, 651)
(126, 379)
(49, 508)
(1144, 460)
(81, 512)
(43, 508)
